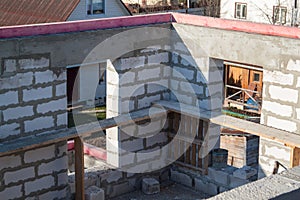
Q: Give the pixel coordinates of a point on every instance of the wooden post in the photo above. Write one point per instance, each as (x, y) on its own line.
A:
(295, 157)
(79, 169)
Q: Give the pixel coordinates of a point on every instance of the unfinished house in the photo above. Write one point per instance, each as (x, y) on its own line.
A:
(168, 78)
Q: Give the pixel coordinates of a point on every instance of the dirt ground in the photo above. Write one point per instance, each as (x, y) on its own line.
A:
(171, 192)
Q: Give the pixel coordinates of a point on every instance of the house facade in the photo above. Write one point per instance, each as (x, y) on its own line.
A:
(279, 12)
(93, 9)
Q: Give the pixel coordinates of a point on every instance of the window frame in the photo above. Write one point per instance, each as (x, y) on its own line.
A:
(90, 12)
(277, 19)
(243, 13)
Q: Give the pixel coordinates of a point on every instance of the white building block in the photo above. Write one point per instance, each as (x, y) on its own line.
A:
(18, 112)
(277, 108)
(39, 184)
(38, 124)
(147, 74)
(158, 58)
(9, 98)
(283, 94)
(52, 106)
(17, 81)
(278, 77)
(12, 192)
(61, 90)
(19, 175)
(94, 193)
(53, 166)
(39, 154)
(62, 119)
(34, 63)
(10, 65)
(36, 94)
(133, 62)
(293, 65)
(10, 162)
(183, 73)
(150, 186)
(44, 77)
(282, 124)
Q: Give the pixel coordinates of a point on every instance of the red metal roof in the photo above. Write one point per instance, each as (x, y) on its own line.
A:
(17, 12)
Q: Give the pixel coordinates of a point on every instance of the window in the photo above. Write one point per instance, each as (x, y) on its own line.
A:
(279, 14)
(240, 10)
(256, 77)
(95, 7)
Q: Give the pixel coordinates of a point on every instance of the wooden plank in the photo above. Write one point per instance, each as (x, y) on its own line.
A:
(194, 131)
(176, 129)
(268, 132)
(33, 141)
(295, 157)
(189, 140)
(181, 132)
(79, 169)
(188, 134)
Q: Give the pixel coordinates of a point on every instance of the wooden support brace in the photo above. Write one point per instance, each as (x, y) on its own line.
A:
(79, 168)
(295, 157)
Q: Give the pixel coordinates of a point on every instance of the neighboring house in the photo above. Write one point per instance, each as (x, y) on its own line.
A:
(44, 11)
(92, 9)
(280, 12)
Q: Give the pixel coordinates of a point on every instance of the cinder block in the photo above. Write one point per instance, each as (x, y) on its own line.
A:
(62, 119)
(36, 94)
(39, 184)
(39, 123)
(18, 112)
(122, 188)
(9, 98)
(62, 179)
(19, 175)
(127, 78)
(10, 161)
(146, 101)
(150, 186)
(111, 176)
(52, 106)
(133, 62)
(13, 192)
(191, 88)
(53, 166)
(94, 193)
(218, 175)
(39, 154)
(181, 178)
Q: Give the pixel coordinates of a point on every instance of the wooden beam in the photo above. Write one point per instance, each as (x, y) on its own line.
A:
(79, 169)
(295, 157)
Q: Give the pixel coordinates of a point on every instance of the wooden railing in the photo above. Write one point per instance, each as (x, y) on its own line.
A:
(240, 96)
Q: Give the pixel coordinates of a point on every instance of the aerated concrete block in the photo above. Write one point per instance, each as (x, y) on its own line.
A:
(94, 193)
(150, 186)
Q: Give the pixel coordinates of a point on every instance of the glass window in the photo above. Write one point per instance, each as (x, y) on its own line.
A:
(240, 10)
(95, 7)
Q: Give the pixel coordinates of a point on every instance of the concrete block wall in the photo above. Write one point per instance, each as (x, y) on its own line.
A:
(281, 102)
(37, 173)
(32, 102)
(280, 109)
(32, 97)
(134, 81)
(269, 152)
(215, 182)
